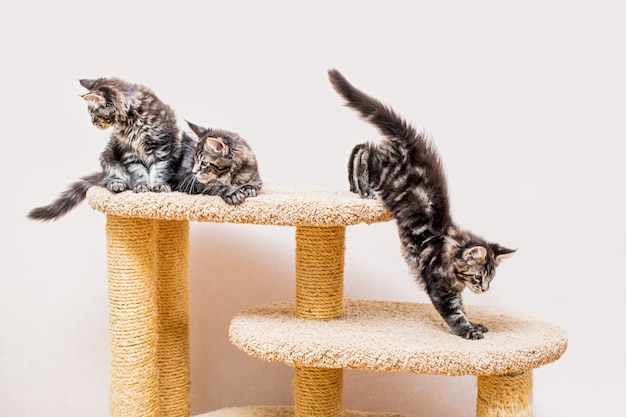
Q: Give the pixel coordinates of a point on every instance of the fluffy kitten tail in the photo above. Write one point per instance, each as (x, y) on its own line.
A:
(69, 199)
(388, 122)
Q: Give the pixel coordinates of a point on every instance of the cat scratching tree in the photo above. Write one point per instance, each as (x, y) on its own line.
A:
(319, 333)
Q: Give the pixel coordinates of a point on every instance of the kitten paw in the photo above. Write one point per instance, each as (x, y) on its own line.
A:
(473, 333)
(480, 327)
(141, 188)
(235, 197)
(368, 194)
(250, 192)
(161, 188)
(117, 186)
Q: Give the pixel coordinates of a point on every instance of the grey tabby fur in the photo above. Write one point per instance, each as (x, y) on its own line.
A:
(144, 149)
(218, 162)
(405, 173)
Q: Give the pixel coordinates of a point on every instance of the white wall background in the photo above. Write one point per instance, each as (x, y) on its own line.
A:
(525, 101)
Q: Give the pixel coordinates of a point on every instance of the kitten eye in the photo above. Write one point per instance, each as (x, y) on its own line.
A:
(475, 279)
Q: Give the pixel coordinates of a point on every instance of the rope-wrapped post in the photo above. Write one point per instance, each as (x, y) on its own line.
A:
(172, 246)
(505, 395)
(131, 258)
(318, 392)
(319, 271)
(319, 295)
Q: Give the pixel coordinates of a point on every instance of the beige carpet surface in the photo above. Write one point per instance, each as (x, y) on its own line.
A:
(281, 411)
(277, 204)
(397, 337)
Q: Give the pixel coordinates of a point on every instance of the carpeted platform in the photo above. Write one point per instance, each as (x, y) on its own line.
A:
(281, 411)
(280, 205)
(397, 337)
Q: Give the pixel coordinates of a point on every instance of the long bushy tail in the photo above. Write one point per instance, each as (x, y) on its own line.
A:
(70, 198)
(388, 122)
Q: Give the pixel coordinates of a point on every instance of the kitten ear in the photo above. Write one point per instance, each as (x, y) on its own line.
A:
(217, 145)
(88, 84)
(475, 254)
(198, 130)
(500, 252)
(94, 99)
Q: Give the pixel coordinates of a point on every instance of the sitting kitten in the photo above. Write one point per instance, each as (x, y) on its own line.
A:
(405, 172)
(218, 163)
(143, 152)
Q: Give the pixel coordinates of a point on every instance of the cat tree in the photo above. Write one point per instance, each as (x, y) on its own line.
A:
(319, 333)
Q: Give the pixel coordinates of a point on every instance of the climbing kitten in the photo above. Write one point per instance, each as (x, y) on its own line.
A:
(404, 171)
(143, 152)
(218, 163)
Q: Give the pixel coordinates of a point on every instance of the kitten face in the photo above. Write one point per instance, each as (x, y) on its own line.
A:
(476, 265)
(212, 160)
(103, 101)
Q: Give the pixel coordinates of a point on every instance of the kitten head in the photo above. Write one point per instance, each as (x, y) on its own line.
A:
(475, 260)
(106, 100)
(214, 153)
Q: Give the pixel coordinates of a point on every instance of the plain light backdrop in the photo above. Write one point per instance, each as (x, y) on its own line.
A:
(524, 100)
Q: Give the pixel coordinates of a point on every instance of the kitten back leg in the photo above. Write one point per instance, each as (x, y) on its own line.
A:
(116, 185)
(358, 172)
(159, 174)
(117, 179)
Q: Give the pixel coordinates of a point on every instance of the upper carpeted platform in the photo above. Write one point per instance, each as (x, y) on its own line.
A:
(281, 205)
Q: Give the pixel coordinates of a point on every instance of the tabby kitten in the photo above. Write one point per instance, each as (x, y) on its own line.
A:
(143, 152)
(220, 163)
(405, 172)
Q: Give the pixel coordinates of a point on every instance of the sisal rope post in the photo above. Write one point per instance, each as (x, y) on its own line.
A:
(505, 395)
(319, 295)
(131, 259)
(319, 392)
(319, 271)
(172, 246)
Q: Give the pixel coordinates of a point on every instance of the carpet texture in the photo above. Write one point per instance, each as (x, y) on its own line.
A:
(281, 205)
(397, 337)
(281, 411)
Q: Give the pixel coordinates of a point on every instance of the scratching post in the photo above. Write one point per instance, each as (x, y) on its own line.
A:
(172, 246)
(148, 317)
(132, 317)
(505, 395)
(319, 272)
(319, 295)
(318, 392)
(319, 333)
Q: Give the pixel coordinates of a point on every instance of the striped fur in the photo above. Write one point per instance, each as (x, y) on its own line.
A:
(404, 171)
(143, 152)
(218, 162)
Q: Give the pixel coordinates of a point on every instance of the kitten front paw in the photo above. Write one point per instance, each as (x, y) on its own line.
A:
(475, 332)
(141, 188)
(480, 327)
(161, 188)
(234, 197)
(250, 191)
(117, 186)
